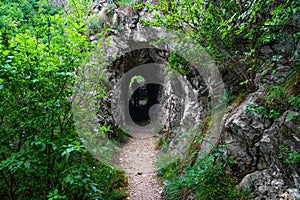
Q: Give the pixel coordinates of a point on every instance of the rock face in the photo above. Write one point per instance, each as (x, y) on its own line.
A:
(128, 53)
(256, 143)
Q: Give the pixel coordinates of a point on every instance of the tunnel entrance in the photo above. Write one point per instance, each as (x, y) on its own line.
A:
(143, 95)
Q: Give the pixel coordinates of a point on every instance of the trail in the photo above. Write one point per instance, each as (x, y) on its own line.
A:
(137, 159)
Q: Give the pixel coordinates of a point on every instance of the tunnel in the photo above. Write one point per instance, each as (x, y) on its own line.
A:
(151, 66)
(142, 98)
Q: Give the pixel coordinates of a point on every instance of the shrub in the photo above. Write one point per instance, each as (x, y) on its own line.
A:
(41, 155)
(205, 179)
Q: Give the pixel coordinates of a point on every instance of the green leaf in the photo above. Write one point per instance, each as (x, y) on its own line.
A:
(69, 179)
(27, 164)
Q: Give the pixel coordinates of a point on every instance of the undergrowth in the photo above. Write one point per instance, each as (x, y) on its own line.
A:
(278, 99)
(206, 179)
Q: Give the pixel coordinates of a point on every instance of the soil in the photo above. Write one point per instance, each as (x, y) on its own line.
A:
(137, 159)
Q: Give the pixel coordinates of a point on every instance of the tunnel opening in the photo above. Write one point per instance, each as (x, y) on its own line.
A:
(143, 96)
(152, 65)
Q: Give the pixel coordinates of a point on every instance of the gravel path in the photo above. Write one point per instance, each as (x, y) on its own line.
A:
(137, 159)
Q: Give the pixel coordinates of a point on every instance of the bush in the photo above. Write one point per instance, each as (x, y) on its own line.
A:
(205, 179)
(41, 155)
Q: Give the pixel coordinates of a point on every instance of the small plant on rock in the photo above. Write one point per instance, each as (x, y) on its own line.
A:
(288, 156)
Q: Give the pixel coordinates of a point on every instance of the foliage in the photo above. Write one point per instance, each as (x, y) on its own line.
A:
(129, 2)
(288, 156)
(272, 105)
(234, 31)
(275, 103)
(126, 2)
(206, 179)
(41, 154)
(15, 14)
(95, 24)
(178, 63)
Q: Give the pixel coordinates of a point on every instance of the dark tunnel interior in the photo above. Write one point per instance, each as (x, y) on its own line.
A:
(141, 101)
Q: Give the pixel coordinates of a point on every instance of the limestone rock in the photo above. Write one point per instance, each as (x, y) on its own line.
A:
(254, 143)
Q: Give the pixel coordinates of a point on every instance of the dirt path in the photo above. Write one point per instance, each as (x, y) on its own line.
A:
(137, 159)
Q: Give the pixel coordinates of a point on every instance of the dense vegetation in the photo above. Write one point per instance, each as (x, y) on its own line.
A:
(41, 154)
(235, 32)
